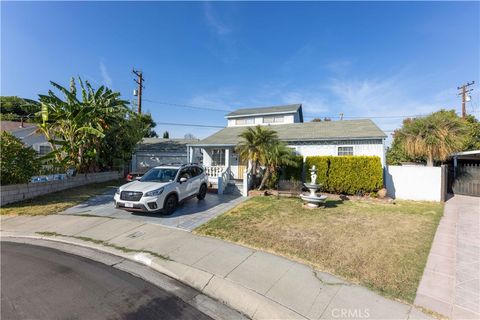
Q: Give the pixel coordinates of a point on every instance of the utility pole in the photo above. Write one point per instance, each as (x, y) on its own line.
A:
(138, 92)
(465, 97)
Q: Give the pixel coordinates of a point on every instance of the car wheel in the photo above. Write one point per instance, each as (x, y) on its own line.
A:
(202, 192)
(170, 204)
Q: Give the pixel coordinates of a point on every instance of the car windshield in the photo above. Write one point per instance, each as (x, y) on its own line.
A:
(160, 175)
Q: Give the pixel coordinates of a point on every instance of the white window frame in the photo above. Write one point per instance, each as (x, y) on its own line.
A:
(338, 151)
(244, 121)
(221, 153)
(274, 119)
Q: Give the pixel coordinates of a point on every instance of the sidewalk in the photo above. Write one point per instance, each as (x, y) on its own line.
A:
(258, 284)
(451, 281)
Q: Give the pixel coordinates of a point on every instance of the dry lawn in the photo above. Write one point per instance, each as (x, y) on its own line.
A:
(383, 246)
(56, 202)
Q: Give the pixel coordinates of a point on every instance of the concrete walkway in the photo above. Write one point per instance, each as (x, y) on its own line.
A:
(256, 283)
(451, 281)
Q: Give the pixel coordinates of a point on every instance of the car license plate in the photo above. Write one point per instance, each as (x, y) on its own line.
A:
(128, 205)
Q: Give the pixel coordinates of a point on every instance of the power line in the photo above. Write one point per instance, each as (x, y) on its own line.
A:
(306, 116)
(189, 125)
(187, 106)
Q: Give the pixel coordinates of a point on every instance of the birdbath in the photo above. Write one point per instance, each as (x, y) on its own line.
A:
(313, 200)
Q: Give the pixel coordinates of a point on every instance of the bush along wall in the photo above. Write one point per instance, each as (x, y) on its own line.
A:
(293, 172)
(348, 175)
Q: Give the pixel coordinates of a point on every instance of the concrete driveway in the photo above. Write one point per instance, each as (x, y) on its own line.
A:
(188, 216)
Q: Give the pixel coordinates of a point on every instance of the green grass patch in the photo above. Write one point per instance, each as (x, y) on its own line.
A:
(383, 246)
(53, 203)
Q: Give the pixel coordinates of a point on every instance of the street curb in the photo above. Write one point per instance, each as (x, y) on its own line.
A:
(125, 262)
(245, 301)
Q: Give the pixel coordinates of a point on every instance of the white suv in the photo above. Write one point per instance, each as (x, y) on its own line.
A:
(162, 188)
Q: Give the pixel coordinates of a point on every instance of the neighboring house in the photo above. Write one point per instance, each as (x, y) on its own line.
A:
(28, 133)
(151, 152)
(326, 138)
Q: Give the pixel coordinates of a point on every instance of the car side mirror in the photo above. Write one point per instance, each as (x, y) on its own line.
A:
(183, 179)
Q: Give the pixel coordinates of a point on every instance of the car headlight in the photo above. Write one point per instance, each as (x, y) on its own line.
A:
(118, 191)
(154, 192)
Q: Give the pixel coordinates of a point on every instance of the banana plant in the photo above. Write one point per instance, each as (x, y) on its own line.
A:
(76, 126)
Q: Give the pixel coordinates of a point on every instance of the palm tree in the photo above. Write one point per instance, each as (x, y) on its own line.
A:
(276, 156)
(254, 144)
(434, 137)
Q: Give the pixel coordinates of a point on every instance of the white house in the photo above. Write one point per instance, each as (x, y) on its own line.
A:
(326, 138)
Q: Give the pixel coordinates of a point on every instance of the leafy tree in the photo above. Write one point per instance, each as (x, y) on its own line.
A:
(472, 141)
(121, 139)
(254, 143)
(396, 154)
(147, 120)
(14, 108)
(275, 156)
(80, 130)
(166, 135)
(18, 163)
(434, 137)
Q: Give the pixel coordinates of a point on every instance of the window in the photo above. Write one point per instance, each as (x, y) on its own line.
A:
(185, 173)
(159, 175)
(195, 171)
(244, 121)
(218, 157)
(273, 119)
(345, 151)
(44, 150)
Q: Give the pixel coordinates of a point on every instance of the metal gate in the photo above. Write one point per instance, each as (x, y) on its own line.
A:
(465, 179)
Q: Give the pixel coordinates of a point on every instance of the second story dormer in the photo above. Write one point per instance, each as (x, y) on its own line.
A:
(265, 116)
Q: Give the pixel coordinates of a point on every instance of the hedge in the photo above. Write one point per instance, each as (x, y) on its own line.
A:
(347, 174)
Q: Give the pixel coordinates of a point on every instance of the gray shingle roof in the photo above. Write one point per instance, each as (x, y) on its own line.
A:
(164, 145)
(307, 131)
(264, 110)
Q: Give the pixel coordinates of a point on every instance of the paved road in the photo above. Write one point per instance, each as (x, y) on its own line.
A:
(43, 283)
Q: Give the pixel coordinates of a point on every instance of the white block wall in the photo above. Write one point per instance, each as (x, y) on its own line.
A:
(414, 182)
(18, 192)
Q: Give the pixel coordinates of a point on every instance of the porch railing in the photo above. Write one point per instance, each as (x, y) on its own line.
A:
(214, 171)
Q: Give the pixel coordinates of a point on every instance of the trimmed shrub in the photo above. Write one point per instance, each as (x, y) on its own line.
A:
(18, 163)
(348, 174)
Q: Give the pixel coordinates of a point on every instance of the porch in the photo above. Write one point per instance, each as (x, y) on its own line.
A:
(223, 166)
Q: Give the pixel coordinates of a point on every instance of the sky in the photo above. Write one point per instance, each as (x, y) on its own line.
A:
(379, 60)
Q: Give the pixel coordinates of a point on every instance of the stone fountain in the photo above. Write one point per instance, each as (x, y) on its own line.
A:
(312, 199)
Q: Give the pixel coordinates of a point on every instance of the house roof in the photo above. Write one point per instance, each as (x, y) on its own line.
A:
(164, 145)
(307, 131)
(12, 126)
(291, 108)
